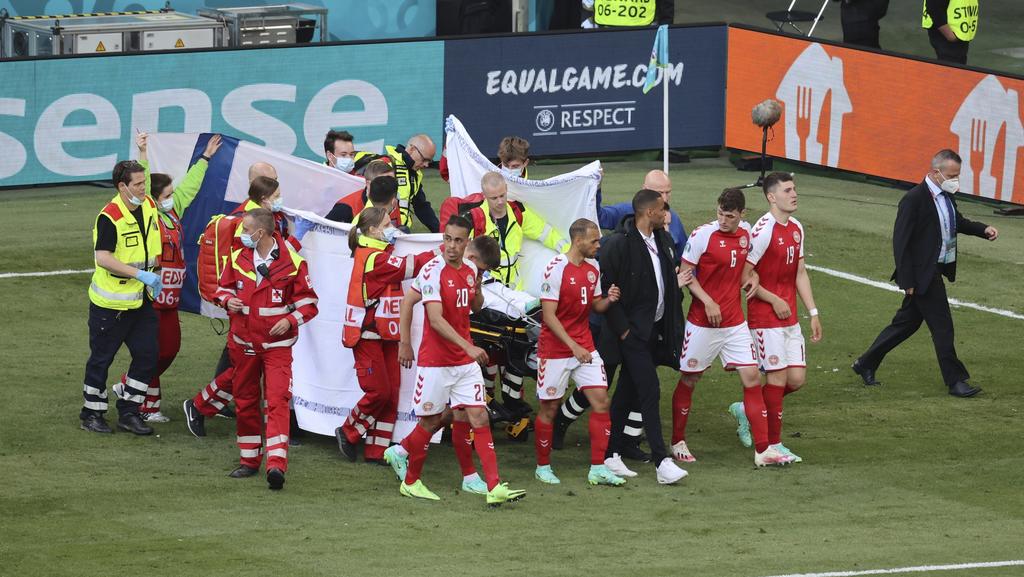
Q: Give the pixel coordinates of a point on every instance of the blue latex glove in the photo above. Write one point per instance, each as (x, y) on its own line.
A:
(302, 226)
(152, 280)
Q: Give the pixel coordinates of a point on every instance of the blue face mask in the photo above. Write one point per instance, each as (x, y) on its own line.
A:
(344, 163)
(167, 204)
(277, 205)
(134, 200)
(248, 241)
(391, 233)
(510, 172)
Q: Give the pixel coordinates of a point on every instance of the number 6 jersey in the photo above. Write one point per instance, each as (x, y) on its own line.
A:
(719, 258)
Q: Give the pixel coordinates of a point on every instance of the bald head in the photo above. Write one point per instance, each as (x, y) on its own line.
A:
(259, 169)
(422, 150)
(658, 181)
(495, 193)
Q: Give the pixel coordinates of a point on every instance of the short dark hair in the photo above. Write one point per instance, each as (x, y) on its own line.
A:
(158, 181)
(580, 227)
(383, 190)
(774, 179)
(486, 247)
(335, 135)
(124, 170)
(644, 199)
(378, 167)
(262, 187)
(459, 221)
(732, 199)
(263, 219)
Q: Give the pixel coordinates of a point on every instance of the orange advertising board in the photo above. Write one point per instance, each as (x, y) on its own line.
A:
(876, 114)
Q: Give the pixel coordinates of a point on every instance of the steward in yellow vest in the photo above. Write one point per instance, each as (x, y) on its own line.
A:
(409, 162)
(951, 26)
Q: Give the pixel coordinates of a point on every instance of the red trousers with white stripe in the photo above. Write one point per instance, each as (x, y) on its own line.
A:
(217, 394)
(169, 341)
(275, 365)
(380, 378)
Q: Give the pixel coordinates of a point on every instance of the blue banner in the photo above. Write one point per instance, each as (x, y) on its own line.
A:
(582, 93)
(64, 120)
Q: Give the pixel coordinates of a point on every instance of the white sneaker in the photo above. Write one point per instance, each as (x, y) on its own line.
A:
(669, 472)
(156, 417)
(682, 453)
(617, 467)
(771, 457)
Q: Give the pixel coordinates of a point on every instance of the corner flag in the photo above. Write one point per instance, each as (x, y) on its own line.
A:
(659, 57)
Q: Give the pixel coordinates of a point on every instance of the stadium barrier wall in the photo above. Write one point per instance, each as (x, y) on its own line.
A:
(875, 113)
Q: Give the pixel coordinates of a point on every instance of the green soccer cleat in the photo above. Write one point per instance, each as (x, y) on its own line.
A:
(544, 474)
(474, 484)
(600, 475)
(742, 424)
(782, 449)
(502, 494)
(398, 462)
(418, 491)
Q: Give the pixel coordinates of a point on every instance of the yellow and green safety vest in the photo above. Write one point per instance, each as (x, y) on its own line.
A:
(624, 12)
(962, 17)
(116, 292)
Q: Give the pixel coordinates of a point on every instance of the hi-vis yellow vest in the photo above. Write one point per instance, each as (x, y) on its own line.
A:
(624, 12)
(120, 293)
(962, 16)
(408, 184)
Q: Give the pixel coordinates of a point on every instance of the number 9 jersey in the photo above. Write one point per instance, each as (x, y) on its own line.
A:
(574, 288)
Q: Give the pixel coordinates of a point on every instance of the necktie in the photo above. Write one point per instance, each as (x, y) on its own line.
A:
(950, 214)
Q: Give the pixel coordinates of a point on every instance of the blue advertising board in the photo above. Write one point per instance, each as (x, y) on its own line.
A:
(581, 92)
(71, 119)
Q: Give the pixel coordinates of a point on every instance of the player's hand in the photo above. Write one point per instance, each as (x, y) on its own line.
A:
(405, 355)
(782, 309)
(477, 354)
(280, 327)
(909, 291)
(752, 284)
(815, 329)
(684, 277)
(235, 304)
(141, 141)
(991, 232)
(714, 313)
(582, 355)
(211, 146)
(614, 294)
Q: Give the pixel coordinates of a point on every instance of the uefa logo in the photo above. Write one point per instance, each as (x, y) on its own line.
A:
(545, 120)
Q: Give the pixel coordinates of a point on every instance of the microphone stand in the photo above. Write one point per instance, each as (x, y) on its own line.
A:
(764, 158)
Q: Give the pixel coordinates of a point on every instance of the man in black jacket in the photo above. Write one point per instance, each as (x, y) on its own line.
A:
(924, 247)
(642, 329)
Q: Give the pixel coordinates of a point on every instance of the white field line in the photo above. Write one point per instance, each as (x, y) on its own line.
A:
(45, 273)
(918, 569)
(893, 288)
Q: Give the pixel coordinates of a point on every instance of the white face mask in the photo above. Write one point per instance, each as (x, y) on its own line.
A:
(135, 200)
(344, 163)
(510, 172)
(167, 204)
(950, 185)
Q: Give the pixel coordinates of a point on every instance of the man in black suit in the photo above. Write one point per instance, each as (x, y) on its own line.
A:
(642, 329)
(924, 246)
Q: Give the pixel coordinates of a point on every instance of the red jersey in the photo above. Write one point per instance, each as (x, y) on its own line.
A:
(775, 252)
(455, 289)
(574, 288)
(719, 258)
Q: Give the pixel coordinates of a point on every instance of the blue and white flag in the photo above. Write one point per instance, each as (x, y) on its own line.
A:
(659, 58)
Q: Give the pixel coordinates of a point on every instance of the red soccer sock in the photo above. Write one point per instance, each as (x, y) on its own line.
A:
(463, 447)
(773, 404)
(681, 401)
(483, 442)
(600, 429)
(542, 434)
(416, 444)
(753, 406)
(790, 389)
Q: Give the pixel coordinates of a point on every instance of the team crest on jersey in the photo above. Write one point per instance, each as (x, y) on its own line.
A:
(773, 360)
(692, 363)
(796, 236)
(276, 295)
(551, 390)
(591, 277)
(470, 280)
(428, 406)
(743, 242)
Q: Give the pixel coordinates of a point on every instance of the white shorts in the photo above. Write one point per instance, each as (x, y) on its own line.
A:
(779, 348)
(553, 376)
(733, 345)
(438, 387)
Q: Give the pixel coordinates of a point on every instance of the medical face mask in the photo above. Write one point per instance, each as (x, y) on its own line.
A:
(135, 200)
(391, 233)
(277, 205)
(247, 240)
(344, 163)
(950, 185)
(167, 204)
(510, 172)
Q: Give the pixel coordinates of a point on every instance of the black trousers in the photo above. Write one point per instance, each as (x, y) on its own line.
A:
(948, 51)
(138, 329)
(860, 21)
(638, 387)
(932, 307)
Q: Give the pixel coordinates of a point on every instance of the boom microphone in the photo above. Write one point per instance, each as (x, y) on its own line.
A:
(766, 113)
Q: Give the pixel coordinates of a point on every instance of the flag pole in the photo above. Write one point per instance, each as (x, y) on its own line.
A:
(664, 146)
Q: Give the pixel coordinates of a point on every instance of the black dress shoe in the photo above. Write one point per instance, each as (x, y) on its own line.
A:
(242, 472)
(498, 413)
(631, 450)
(133, 423)
(561, 426)
(348, 450)
(275, 479)
(95, 424)
(194, 420)
(963, 390)
(867, 375)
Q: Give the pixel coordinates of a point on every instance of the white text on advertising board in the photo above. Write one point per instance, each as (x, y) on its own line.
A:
(570, 78)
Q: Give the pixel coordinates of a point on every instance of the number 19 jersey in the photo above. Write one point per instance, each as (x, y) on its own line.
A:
(776, 250)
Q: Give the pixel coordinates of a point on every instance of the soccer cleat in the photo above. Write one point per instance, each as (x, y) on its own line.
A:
(156, 417)
(682, 453)
(195, 420)
(669, 472)
(544, 474)
(502, 494)
(348, 450)
(275, 479)
(474, 484)
(95, 424)
(617, 467)
(742, 424)
(771, 457)
(600, 475)
(399, 463)
(418, 491)
(782, 449)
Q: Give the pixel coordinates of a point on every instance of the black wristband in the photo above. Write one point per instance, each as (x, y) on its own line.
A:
(204, 157)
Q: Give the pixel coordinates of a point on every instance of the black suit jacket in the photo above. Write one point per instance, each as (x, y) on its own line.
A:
(917, 239)
(626, 263)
